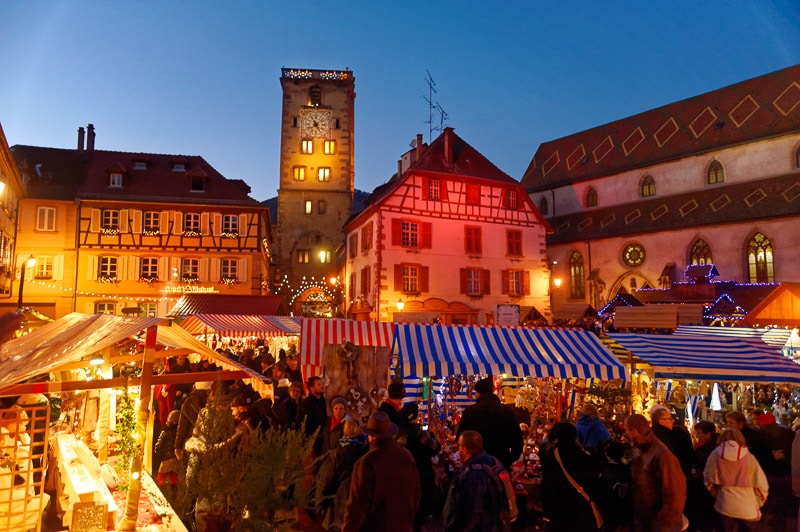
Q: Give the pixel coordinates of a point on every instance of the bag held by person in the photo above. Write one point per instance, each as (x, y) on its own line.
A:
(502, 480)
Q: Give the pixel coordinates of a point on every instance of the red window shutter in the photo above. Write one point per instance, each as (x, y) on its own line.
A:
(526, 283)
(462, 280)
(479, 240)
(423, 279)
(426, 188)
(485, 282)
(504, 282)
(504, 199)
(426, 235)
(397, 231)
(352, 288)
(398, 277)
(442, 190)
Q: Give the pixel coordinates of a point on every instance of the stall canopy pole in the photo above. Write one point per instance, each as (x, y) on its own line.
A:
(128, 522)
(105, 409)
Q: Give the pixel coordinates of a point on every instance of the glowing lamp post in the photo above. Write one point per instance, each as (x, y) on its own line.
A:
(30, 263)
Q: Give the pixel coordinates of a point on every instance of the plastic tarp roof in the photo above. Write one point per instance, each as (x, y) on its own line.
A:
(68, 339)
(237, 326)
(317, 332)
(704, 357)
(785, 340)
(430, 350)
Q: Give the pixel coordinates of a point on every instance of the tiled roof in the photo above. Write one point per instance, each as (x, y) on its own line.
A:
(760, 107)
(51, 173)
(736, 202)
(158, 182)
(466, 160)
(190, 304)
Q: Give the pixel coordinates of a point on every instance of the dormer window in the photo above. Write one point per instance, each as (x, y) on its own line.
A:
(198, 184)
(139, 165)
(115, 180)
(178, 167)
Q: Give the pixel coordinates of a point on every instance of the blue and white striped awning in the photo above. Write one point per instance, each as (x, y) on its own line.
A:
(785, 340)
(430, 350)
(714, 357)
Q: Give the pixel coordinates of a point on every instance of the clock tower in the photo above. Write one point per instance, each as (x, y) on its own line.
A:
(315, 195)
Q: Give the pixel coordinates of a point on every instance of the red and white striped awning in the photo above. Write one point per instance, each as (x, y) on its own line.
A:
(235, 326)
(317, 332)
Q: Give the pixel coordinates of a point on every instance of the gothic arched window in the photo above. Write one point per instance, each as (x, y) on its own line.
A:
(591, 197)
(648, 186)
(759, 260)
(544, 207)
(715, 173)
(577, 279)
(701, 253)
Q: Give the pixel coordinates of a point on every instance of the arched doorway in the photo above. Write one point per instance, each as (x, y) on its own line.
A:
(314, 302)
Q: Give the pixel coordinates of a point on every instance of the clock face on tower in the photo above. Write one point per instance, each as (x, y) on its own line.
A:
(315, 124)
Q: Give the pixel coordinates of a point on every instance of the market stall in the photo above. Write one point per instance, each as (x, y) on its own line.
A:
(226, 330)
(352, 355)
(785, 339)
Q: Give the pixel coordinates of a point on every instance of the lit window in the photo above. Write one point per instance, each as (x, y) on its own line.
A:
(473, 244)
(633, 255)
(299, 173)
(715, 173)
(230, 224)
(107, 269)
(190, 270)
(591, 197)
(434, 189)
(151, 222)
(104, 308)
(577, 287)
(302, 256)
(44, 267)
(149, 269)
(410, 278)
(701, 253)
(45, 219)
(307, 147)
(760, 260)
(324, 173)
(115, 180)
(309, 208)
(149, 310)
(191, 222)
(110, 219)
(410, 234)
(648, 187)
(228, 269)
(330, 147)
(325, 256)
(514, 243)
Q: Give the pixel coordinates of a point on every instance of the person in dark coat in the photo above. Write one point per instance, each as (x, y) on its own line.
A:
(165, 453)
(423, 448)
(313, 411)
(394, 402)
(502, 437)
(474, 500)
(336, 479)
(615, 499)
(384, 488)
(675, 437)
(334, 426)
(291, 404)
(292, 369)
(195, 402)
(699, 501)
(180, 364)
(566, 508)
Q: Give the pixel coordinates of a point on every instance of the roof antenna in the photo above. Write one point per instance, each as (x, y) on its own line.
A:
(433, 106)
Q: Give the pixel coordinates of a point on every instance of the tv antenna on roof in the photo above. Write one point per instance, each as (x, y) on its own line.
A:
(433, 106)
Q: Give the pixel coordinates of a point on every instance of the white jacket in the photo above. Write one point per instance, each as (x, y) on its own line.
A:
(739, 484)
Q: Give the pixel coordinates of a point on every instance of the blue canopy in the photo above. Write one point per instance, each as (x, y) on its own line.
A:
(715, 357)
(429, 350)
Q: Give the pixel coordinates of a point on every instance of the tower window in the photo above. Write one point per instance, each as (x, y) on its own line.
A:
(315, 95)
(299, 173)
(324, 173)
(308, 207)
(307, 147)
(330, 147)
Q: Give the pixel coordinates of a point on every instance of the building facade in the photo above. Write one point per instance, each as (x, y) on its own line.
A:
(446, 240)
(121, 232)
(713, 179)
(11, 191)
(315, 193)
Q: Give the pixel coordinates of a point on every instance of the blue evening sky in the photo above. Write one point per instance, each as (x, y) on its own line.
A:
(202, 78)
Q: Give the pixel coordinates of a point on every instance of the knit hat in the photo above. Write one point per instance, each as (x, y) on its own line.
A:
(397, 390)
(485, 386)
(766, 419)
(339, 400)
(409, 412)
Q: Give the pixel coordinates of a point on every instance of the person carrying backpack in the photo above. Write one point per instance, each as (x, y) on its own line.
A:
(480, 497)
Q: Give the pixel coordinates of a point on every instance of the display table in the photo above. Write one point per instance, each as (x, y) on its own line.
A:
(84, 500)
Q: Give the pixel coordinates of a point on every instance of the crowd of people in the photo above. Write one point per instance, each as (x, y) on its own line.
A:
(380, 474)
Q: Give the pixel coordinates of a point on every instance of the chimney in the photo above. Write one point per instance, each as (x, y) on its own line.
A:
(399, 168)
(448, 145)
(80, 138)
(419, 146)
(90, 138)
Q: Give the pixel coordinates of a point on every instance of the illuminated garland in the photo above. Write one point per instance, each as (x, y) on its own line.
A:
(294, 292)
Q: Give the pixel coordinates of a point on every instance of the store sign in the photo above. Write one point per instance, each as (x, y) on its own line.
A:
(181, 289)
(506, 315)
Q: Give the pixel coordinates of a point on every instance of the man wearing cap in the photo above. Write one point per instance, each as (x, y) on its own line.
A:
(502, 437)
(392, 404)
(384, 488)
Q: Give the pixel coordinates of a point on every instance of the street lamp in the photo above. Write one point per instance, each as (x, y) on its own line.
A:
(30, 263)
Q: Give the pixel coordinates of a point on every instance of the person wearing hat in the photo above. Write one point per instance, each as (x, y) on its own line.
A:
(392, 404)
(282, 389)
(499, 429)
(384, 487)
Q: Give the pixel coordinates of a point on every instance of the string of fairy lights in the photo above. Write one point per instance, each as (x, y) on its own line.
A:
(69, 290)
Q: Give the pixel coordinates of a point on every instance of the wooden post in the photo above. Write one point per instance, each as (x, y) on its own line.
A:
(105, 411)
(128, 522)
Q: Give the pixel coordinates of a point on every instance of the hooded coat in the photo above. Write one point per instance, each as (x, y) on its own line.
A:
(734, 476)
(592, 432)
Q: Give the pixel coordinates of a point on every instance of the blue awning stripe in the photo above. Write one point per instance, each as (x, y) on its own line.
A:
(430, 350)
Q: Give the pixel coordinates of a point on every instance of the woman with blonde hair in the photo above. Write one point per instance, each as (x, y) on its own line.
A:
(337, 472)
(736, 480)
